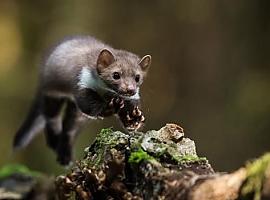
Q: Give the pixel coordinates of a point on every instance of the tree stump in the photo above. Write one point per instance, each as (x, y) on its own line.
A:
(159, 164)
(154, 165)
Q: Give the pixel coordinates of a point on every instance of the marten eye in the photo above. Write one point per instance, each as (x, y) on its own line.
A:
(137, 78)
(116, 75)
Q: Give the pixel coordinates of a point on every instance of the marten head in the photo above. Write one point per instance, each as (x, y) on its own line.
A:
(123, 72)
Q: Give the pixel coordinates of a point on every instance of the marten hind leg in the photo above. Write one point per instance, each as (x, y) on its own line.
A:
(71, 125)
(52, 112)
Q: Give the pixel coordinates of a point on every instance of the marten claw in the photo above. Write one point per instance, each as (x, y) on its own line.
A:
(135, 126)
(122, 105)
(111, 103)
(116, 104)
(138, 112)
(134, 120)
(134, 112)
(142, 119)
(130, 128)
(128, 117)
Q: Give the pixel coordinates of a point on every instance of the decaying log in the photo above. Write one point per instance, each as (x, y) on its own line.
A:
(159, 164)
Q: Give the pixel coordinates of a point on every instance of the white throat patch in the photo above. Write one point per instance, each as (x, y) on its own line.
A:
(90, 79)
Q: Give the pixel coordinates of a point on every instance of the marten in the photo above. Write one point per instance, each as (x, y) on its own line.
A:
(83, 78)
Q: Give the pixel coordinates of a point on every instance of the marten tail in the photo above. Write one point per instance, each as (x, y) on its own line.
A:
(33, 124)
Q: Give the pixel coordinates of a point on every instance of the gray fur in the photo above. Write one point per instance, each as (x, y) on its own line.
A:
(77, 72)
(62, 70)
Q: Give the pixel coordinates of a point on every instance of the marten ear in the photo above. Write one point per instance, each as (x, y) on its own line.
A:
(145, 63)
(105, 59)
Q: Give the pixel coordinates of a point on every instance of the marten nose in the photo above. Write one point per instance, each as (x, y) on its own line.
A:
(131, 90)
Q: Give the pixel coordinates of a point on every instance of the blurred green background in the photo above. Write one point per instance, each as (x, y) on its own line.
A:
(210, 70)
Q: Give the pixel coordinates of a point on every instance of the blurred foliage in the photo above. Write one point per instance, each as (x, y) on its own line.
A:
(210, 70)
(11, 169)
(256, 174)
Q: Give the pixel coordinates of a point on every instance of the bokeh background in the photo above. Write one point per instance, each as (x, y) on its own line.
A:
(210, 70)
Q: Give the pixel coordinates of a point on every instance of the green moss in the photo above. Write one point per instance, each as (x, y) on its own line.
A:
(105, 140)
(106, 131)
(104, 136)
(108, 137)
(255, 176)
(138, 156)
(11, 169)
(141, 146)
(188, 159)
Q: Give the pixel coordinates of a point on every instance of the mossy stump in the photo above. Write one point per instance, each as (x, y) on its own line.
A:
(153, 165)
(158, 165)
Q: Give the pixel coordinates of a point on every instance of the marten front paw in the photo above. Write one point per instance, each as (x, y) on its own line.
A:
(133, 120)
(116, 104)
